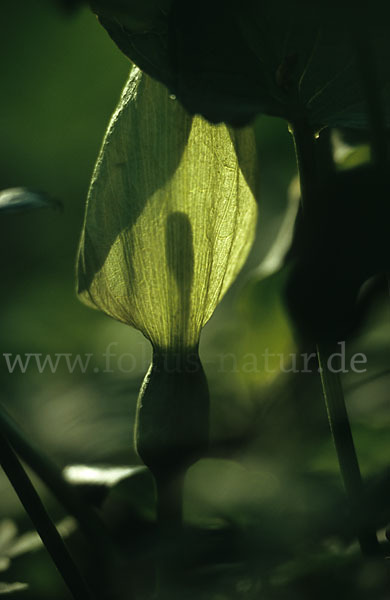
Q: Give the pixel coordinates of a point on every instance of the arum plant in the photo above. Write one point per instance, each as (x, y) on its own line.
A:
(230, 61)
(169, 222)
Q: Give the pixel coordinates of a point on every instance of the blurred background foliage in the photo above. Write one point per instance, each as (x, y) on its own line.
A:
(272, 477)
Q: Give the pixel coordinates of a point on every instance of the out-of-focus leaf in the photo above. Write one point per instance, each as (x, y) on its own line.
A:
(106, 476)
(266, 331)
(95, 481)
(276, 257)
(21, 199)
(31, 541)
(11, 588)
(4, 563)
(12, 545)
(318, 266)
(133, 496)
(350, 151)
(170, 216)
(70, 6)
(267, 335)
(337, 251)
(8, 532)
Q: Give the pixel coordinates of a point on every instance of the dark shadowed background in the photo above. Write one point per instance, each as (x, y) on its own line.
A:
(273, 473)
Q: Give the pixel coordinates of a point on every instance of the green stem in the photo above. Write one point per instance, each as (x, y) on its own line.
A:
(304, 144)
(345, 449)
(310, 180)
(169, 489)
(42, 522)
(49, 473)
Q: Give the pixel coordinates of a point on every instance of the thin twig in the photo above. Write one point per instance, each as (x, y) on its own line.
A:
(52, 477)
(42, 522)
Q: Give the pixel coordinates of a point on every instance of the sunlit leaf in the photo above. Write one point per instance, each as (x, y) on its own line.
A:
(170, 216)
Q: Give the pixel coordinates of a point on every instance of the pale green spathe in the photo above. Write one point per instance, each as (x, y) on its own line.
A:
(170, 216)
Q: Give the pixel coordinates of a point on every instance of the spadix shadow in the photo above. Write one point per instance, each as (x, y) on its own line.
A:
(179, 249)
(147, 167)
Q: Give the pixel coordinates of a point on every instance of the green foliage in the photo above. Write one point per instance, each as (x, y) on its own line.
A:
(135, 16)
(338, 250)
(169, 224)
(170, 217)
(12, 546)
(232, 60)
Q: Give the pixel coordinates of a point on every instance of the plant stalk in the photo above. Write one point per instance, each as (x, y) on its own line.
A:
(310, 181)
(169, 489)
(169, 509)
(42, 522)
(52, 477)
(346, 453)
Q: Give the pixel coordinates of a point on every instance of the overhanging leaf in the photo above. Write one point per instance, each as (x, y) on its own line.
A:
(140, 17)
(170, 216)
(308, 50)
(344, 244)
(232, 59)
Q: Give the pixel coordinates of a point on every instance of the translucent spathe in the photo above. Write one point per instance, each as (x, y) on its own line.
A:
(170, 216)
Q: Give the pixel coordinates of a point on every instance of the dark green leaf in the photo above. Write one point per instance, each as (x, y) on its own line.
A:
(311, 55)
(344, 243)
(230, 60)
(133, 496)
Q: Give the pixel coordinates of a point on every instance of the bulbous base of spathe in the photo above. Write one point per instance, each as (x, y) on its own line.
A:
(172, 420)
